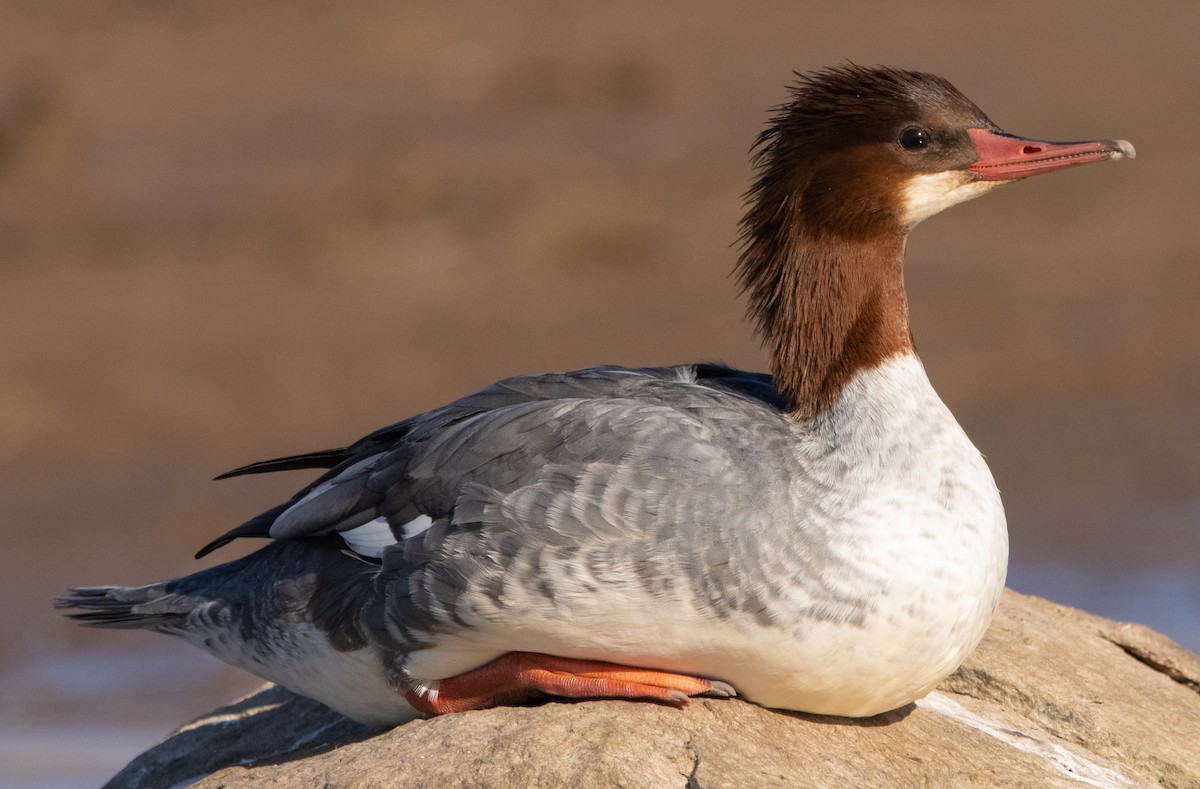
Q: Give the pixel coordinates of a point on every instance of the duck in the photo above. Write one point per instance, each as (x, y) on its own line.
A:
(824, 538)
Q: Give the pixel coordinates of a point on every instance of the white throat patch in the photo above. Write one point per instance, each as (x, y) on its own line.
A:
(926, 195)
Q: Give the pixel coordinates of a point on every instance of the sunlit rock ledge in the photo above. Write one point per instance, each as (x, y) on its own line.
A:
(1053, 697)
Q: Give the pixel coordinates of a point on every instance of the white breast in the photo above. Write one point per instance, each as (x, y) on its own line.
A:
(923, 527)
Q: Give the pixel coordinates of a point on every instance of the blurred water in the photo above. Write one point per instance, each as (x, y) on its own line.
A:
(57, 756)
(1165, 599)
(74, 718)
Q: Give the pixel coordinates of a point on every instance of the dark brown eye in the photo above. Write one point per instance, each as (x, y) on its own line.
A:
(914, 139)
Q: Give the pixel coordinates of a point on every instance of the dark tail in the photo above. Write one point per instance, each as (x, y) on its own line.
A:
(284, 612)
(312, 580)
(121, 607)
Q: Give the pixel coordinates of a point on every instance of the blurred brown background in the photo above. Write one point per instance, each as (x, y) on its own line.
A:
(232, 230)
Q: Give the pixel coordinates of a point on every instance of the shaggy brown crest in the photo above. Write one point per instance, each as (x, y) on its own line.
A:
(824, 234)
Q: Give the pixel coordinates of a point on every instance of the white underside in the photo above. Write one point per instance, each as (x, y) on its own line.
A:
(351, 683)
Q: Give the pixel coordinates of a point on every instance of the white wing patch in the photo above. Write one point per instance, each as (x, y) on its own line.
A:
(373, 537)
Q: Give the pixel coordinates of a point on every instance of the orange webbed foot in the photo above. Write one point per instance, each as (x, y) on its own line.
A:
(518, 676)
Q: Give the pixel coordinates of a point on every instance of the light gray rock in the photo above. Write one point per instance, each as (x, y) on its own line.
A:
(1054, 697)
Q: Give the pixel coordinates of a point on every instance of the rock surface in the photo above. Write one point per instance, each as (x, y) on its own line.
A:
(1054, 697)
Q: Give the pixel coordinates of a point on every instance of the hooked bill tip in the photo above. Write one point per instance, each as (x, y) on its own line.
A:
(1125, 149)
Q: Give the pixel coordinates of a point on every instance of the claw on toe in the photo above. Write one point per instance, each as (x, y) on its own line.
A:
(721, 689)
(518, 676)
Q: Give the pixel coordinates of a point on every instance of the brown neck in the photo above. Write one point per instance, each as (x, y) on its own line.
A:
(826, 308)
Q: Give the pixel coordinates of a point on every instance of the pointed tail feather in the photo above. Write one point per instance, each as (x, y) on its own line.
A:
(119, 607)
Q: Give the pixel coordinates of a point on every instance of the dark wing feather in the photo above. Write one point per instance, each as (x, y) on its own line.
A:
(327, 458)
(258, 526)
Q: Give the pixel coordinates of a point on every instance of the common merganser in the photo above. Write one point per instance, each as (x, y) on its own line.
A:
(825, 539)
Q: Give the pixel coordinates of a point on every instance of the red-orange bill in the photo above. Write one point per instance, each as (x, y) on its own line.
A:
(1006, 157)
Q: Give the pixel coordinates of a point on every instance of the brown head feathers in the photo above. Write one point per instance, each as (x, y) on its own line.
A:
(825, 227)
